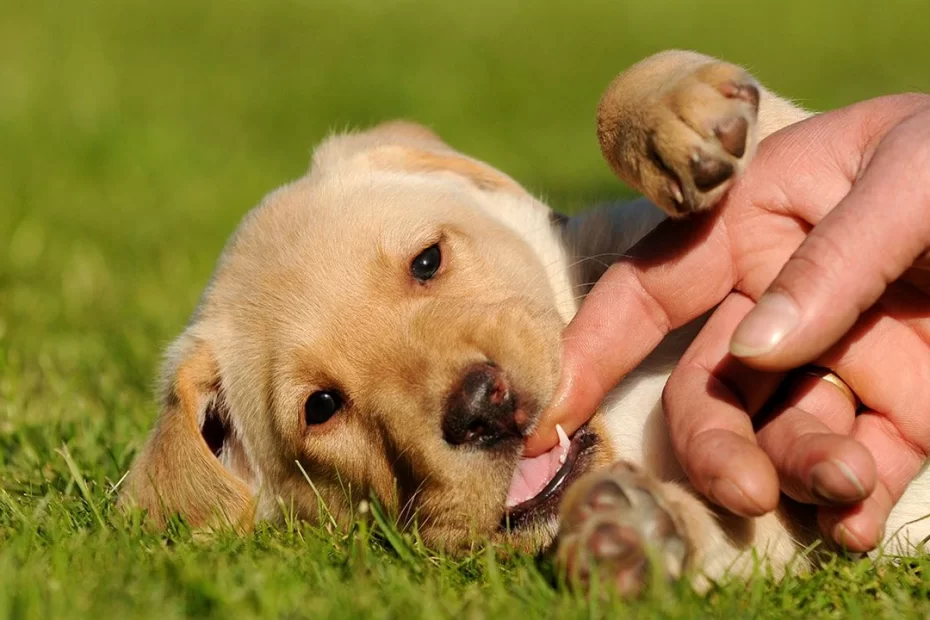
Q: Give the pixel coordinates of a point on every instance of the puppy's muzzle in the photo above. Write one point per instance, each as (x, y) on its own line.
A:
(482, 410)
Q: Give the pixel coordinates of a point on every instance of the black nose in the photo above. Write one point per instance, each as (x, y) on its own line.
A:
(481, 409)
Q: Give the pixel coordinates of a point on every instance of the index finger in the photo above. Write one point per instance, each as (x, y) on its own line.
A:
(675, 274)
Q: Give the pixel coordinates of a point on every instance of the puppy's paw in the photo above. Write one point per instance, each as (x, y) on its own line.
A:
(615, 527)
(685, 143)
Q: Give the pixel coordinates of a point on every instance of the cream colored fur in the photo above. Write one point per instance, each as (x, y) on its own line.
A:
(311, 292)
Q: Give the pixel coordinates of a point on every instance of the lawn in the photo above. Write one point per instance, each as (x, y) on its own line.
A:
(133, 136)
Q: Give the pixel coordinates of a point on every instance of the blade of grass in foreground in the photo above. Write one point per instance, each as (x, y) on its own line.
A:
(82, 485)
(393, 536)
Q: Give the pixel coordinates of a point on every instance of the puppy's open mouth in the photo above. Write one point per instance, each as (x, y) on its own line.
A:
(538, 483)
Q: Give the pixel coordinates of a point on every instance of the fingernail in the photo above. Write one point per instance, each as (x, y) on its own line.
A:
(846, 539)
(731, 497)
(834, 481)
(773, 318)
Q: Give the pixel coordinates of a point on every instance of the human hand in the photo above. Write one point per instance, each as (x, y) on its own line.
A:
(846, 197)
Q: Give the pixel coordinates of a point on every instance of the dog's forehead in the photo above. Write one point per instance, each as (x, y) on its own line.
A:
(323, 218)
(310, 249)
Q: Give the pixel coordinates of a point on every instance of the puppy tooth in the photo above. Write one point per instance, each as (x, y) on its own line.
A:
(564, 443)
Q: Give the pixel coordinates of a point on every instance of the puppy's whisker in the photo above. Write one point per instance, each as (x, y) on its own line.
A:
(597, 257)
(411, 500)
(414, 514)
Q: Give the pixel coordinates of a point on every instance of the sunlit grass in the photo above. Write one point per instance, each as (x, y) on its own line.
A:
(133, 135)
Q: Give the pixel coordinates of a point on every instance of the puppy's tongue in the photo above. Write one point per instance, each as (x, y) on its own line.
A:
(532, 475)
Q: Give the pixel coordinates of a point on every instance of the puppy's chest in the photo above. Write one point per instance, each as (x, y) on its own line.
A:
(632, 415)
(632, 418)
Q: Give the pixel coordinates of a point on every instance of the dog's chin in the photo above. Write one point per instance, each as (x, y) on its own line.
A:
(531, 509)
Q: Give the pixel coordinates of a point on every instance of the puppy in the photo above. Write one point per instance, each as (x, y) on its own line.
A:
(389, 325)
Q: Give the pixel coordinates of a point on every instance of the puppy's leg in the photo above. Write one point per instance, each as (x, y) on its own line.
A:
(615, 523)
(680, 127)
(624, 526)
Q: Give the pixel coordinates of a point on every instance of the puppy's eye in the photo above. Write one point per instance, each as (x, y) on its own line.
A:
(321, 406)
(426, 264)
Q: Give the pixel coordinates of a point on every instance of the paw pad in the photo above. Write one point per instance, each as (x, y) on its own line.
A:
(615, 525)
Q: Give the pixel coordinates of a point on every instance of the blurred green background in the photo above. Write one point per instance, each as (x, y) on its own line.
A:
(134, 135)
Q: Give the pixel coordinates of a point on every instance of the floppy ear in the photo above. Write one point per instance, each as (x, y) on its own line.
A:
(178, 471)
(409, 147)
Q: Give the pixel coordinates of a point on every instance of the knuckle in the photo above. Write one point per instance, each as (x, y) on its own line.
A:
(646, 304)
(821, 268)
(915, 449)
(818, 262)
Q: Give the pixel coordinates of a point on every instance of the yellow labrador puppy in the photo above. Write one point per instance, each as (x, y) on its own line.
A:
(389, 324)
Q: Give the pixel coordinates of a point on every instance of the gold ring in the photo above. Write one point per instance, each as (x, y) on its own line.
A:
(833, 379)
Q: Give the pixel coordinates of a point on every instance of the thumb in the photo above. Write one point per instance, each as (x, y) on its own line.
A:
(867, 241)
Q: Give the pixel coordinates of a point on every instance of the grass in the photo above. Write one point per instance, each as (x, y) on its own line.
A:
(133, 135)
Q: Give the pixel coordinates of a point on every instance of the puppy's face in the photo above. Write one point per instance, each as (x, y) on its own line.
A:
(377, 330)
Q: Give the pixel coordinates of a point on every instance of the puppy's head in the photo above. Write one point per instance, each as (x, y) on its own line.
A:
(385, 325)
